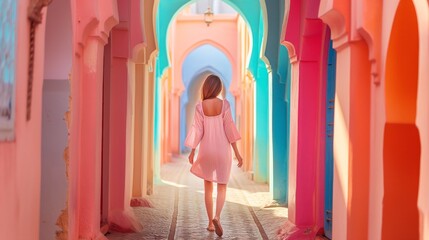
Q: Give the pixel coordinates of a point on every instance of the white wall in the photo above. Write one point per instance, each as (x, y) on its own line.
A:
(217, 6)
(54, 140)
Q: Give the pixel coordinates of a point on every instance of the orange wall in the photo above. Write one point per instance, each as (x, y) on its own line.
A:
(392, 56)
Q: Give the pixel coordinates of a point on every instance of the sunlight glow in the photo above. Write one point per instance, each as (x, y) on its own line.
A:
(341, 167)
(341, 149)
(174, 184)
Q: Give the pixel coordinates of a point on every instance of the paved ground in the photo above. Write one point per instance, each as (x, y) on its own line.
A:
(179, 212)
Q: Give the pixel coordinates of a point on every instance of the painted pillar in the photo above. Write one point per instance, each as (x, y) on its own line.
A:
(308, 41)
(359, 129)
(351, 142)
(135, 115)
(177, 87)
(247, 96)
(309, 164)
(90, 142)
(174, 120)
(262, 121)
(247, 121)
(151, 67)
(90, 36)
(116, 124)
(165, 127)
(143, 128)
(141, 66)
(120, 213)
(357, 67)
(146, 134)
(422, 119)
(150, 130)
(279, 177)
(262, 154)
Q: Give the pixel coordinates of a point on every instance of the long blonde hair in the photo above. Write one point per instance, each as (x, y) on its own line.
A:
(212, 87)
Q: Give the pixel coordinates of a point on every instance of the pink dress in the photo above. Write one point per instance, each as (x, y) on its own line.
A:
(215, 135)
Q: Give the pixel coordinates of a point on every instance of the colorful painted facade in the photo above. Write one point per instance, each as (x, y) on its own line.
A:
(330, 97)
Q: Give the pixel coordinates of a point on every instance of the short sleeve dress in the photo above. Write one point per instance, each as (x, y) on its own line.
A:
(215, 135)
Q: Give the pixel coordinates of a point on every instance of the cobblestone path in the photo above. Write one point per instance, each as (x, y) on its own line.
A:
(178, 210)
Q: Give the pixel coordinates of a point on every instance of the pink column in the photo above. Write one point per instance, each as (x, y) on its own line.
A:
(309, 192)
(91, 25)
(121, 216)
(307, 41)
(175, 121)
(89, 171)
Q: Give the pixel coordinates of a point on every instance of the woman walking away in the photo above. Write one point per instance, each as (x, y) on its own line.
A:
(215, 131)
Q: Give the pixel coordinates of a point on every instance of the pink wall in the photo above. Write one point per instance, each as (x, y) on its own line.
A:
(20, 159)
(58, 59)
(120, 213)
(90, 36)
(307, 39)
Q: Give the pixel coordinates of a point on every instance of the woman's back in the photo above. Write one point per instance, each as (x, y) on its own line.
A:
(212, 106)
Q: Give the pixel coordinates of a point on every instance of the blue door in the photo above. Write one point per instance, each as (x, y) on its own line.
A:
(329, 158)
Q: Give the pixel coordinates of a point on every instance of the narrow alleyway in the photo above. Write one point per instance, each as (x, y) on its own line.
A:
(178, 210)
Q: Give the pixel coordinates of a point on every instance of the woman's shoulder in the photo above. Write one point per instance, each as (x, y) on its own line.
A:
(199, 106)
(226, 103)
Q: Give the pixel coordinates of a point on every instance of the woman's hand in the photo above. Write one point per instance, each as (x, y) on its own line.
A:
(237, 154)
(239, 159)
(191, 156)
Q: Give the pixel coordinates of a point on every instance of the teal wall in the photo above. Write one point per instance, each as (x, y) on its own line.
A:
(250, 10)
(262, 116)
(262, 133)
(279, 60)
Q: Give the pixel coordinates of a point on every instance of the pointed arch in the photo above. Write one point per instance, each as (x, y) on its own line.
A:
(401, 136)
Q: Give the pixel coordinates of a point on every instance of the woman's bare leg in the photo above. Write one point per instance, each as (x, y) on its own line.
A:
(208, 197)
(220, 199)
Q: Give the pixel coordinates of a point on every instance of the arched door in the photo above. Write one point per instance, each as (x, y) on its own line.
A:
(401, 148)
(329, 151)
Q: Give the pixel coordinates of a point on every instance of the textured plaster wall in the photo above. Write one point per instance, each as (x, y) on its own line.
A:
(20, 159)
(54, 140)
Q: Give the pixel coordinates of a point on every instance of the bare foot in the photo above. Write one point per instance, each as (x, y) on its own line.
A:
(218, 227)
(211, 228)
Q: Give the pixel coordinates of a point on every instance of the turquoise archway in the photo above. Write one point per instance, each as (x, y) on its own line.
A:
(255, 15)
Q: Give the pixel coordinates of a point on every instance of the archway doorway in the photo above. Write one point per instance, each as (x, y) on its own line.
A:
(196, 66)
(401, 148)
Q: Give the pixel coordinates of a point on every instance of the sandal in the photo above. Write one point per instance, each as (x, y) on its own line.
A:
(218, 227)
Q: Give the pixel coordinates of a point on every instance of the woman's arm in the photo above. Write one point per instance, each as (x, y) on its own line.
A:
(237, 154)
